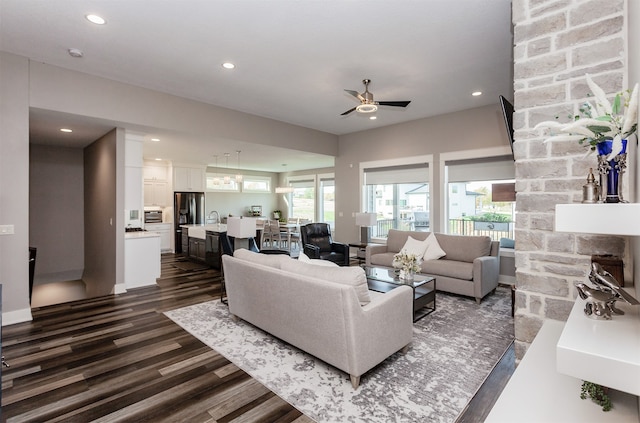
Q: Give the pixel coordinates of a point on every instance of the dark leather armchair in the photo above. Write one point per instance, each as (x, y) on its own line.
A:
(317, 244)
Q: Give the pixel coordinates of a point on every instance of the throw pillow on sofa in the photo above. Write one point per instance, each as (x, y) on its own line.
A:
(415, 247)
(433, 251)
(352, 276)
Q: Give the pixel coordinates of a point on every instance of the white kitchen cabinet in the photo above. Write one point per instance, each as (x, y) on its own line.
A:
(132, 188)
(154, 172)
(141, 259)
(156, 193)
(188, 178)
(164, 229)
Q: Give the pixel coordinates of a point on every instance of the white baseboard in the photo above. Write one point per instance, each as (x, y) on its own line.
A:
(18, 316)
(119, 288)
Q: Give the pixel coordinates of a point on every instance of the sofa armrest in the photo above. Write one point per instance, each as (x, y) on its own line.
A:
(486, 272)
(381, 328)
(339, 247)
(312, 251)
(373, 249)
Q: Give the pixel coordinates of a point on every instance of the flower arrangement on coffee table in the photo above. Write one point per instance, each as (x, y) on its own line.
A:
(407, 263)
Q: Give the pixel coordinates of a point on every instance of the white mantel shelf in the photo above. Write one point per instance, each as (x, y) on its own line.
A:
(606, 352)
(601, 218)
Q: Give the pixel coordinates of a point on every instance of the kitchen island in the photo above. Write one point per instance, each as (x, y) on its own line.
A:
(141, 258)
(201, 243)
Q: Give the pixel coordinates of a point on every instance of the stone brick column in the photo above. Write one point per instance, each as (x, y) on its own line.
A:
(557, 42)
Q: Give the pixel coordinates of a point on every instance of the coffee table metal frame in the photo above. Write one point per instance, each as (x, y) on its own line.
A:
(382, 279)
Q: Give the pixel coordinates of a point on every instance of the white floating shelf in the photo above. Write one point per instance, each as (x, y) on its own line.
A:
(606, 352)
(608, 219)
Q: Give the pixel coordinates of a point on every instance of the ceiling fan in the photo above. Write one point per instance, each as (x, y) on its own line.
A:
(367, 105)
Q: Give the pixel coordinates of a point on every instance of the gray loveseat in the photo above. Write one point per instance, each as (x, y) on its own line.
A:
(470, 267)
(325, 311)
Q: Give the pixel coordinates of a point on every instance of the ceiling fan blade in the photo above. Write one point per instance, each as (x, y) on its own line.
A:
(355, 94)
(347, 112)
(394, 103)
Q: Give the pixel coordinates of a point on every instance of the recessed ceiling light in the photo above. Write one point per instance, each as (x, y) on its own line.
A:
(155, 139)
(158, 159)
(228, 65)
(476, 93)
(98, 20)
(65, 130)
(373, 117)
(75, 52)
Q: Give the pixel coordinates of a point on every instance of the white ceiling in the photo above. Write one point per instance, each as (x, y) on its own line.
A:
(294, 59)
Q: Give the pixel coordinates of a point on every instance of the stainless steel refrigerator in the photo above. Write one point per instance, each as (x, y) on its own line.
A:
(188, 209)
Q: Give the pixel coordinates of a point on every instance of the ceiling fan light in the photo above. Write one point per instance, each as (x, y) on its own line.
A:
(366, 108)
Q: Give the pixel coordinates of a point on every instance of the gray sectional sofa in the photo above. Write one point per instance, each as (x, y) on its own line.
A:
(326, 311)
(470, 267)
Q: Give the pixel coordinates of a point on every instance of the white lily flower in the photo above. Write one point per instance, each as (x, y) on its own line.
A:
(564, 138)
(616, 147)
(577, 128)
(591, 122)
(631, 114)
(602, 104)
(548, 124)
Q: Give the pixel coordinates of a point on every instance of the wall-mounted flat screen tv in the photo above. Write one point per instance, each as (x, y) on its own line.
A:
(507, 113)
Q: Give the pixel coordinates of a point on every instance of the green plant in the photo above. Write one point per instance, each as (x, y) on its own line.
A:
(489, 217)
(600, 122)
(597, 394)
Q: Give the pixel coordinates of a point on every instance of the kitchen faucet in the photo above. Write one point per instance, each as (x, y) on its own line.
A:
(217, 221)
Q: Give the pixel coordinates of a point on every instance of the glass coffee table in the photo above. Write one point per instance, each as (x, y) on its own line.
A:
(381, 279)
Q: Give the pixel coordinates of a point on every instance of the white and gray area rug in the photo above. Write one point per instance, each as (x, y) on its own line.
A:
(454, 349)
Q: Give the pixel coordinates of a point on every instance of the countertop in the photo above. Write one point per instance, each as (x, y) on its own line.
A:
(140, 234)
(212, 227)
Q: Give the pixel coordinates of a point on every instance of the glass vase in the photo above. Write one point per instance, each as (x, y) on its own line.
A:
(611, 171)
(406, 275)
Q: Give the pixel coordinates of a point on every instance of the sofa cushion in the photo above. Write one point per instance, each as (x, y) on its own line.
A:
(305, 259)
(433, 251)
(271, 260)
(415, 247)
(382, 259)
(353, 276)
(464, 247)
(451, 268)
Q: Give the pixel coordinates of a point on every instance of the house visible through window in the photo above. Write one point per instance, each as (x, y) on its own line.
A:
(399, 195)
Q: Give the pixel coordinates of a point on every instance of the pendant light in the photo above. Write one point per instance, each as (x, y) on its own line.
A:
(238, 175)
(216, 180)
(227, 179)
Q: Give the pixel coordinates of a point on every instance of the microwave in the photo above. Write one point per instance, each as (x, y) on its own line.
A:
(153, 216)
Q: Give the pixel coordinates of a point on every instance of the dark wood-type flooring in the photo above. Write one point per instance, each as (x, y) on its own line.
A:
(118, 358)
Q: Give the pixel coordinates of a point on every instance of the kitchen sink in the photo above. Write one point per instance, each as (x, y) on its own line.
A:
(198, 232)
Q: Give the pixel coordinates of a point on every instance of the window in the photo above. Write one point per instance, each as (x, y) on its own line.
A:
(303, 199)
(399, 195)
(328, 200)
(251, 183)
(471, 209)
(222, 182)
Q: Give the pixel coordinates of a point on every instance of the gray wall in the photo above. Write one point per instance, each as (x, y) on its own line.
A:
(56, 212)
(104, 214)
(14, 187)
(476, 128)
